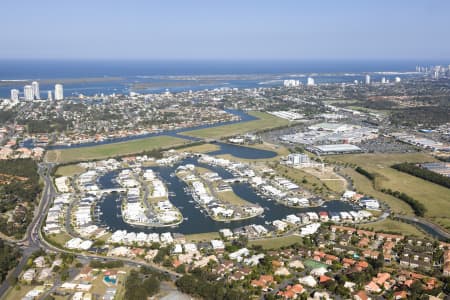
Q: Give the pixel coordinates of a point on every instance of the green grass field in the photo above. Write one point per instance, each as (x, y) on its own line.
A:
(277, 242)
(232, 198)
(112, 150)
(364, 186)
(69, 170)
(202, 237)
(435, 198)
(265, 121)
(394, 226)
(312, 183)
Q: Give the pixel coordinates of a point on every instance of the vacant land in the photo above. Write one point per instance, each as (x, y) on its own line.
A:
(389, 225)
(233, 199)
(365, 186)
(14, 293)
(112, 150)
(435, 198)
(202, 237)
(60, 238)
(327, 175)
(307, 181)
(265, 121)
(69, 170)
(277, 242)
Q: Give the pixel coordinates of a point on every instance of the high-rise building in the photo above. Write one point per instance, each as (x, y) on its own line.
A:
(14, 95)
(291, 83)
(310, 81)
(367, 79)
(49, 96)
(383, 80)
(398, 79)
(28, 92)
(59, 92)
(36, 92)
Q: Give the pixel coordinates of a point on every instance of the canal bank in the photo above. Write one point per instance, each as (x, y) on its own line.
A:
(195, 221)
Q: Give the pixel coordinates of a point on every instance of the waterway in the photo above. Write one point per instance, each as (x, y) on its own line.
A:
(243, 117)
(195, 220)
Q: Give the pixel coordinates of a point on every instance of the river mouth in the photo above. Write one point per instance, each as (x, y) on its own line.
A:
(195, 219)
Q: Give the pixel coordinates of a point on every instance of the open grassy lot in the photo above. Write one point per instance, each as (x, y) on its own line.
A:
(277, 242)
(112, 150)
(435, 198)
(60, 238)
(394, 226)
(14, 293)
(307, 181)
(334, 181)
(265, 121)
(201, 237)
(364, 186)
(232, 198)
(69, 170)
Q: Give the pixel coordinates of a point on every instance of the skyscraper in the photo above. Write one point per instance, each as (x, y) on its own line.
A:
(310, 81)
(49, 96)
(28, 92)
(367, 79)
(37, 94)
(59, 92)
(14, 95)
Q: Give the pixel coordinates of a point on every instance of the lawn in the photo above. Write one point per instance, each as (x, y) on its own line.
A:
(435, 197)
(364, 186)
(265, 121)
(277, 242)
(389, 225)
(232, 198)
(69, 170)
(202, 237)
(112, 150)
(13, 293)
(60, 238)
(312, 183)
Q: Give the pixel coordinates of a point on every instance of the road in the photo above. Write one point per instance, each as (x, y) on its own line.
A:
(34, 240)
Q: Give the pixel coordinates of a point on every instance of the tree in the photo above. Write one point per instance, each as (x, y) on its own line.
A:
(151, 285)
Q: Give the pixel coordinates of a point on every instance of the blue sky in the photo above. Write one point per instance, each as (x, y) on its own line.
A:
(245, 29)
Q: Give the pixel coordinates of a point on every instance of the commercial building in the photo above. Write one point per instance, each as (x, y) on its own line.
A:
(367, 79)
(291, 83)
(36, 92)
(14, 95)
(59, 92)
(49, 96)
(28, 92)
(334, 149)
(310, 81)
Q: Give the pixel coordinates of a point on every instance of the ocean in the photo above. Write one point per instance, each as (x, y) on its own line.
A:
(176, 76)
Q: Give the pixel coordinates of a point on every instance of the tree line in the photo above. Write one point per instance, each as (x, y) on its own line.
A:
(418, 208)
(8, 259)
(365, 173)
(423, 173)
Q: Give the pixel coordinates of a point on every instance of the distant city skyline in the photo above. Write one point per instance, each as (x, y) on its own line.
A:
(229, 30)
